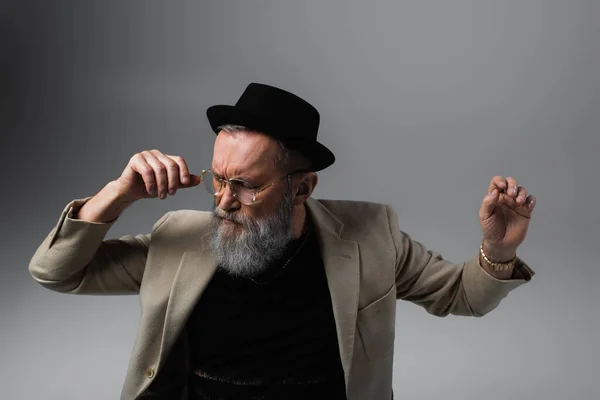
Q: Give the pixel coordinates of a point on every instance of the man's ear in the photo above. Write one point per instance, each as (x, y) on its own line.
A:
(303, 189)
(306, 187)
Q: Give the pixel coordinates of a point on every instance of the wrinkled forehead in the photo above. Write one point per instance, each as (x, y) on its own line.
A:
(244, 153)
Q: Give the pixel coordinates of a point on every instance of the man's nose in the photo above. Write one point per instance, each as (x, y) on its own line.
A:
(227, 201)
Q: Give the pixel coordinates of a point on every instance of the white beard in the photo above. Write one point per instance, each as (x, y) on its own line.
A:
(247, 247)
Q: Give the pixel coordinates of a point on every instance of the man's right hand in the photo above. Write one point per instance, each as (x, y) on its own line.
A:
(151, 174)
(148, 174)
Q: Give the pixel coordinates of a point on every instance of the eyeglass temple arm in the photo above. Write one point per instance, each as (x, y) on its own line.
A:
(280, 179)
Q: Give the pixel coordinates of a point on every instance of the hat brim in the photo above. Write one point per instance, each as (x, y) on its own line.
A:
(320, 156)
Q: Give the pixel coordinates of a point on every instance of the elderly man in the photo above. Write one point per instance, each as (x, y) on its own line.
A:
(274, 294)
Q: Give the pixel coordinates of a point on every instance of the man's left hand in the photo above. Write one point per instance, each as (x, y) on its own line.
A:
(504, 216)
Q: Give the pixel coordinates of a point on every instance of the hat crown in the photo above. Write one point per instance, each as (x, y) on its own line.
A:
(282, 107)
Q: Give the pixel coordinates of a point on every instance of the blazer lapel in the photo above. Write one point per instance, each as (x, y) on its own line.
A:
(341, 261)
(195, 271)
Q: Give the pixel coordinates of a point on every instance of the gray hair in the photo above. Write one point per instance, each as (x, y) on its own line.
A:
(286, 159)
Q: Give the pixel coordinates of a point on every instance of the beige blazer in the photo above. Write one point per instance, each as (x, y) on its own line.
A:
(369, 263)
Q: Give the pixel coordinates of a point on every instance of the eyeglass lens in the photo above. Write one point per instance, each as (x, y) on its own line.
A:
(216, 187)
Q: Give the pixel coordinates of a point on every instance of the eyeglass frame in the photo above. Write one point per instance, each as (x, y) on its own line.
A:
(225, 182)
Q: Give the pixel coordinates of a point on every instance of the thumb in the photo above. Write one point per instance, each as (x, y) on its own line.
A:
(194, 181)
(488, 205)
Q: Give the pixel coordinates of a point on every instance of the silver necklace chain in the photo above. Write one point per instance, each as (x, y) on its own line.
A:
(284, 265)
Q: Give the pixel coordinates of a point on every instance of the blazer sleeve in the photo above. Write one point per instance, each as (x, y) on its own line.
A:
(441, 287)
(75, 258)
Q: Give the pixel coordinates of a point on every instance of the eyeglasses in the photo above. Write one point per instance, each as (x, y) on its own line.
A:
(244, 192)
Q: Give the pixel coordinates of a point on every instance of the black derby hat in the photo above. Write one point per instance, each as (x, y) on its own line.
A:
(279, 114)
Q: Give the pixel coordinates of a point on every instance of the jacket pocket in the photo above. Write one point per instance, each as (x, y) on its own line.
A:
(376, 325)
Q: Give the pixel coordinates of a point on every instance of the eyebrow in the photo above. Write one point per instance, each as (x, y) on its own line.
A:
(242, 177)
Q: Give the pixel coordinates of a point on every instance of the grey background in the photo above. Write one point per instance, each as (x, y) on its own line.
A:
(422, 101)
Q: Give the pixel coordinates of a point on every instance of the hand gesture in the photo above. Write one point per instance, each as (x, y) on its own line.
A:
(151, 174)
(504, 216)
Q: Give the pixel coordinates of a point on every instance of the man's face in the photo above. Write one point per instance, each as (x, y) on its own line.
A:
(246, 238)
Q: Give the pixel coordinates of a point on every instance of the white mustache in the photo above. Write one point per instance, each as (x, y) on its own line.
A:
(229, 216)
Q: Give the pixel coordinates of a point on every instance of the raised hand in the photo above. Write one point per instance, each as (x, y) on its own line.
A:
(504, 215)
(151, 174)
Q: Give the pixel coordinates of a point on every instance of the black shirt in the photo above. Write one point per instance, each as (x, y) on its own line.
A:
(275, 340)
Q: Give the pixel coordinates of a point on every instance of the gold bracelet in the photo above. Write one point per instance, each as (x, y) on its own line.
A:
(497, 266)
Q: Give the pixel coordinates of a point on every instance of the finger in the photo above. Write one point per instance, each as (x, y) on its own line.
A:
(172, 171)
(507, 200)
(512, 189)
(184, 172)
(195, 180)
(521, 195)
(489, 203)
(498, 182)
(160, 173)
(530, 202)
(526, 208)
(141, 166)
(511, 203)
